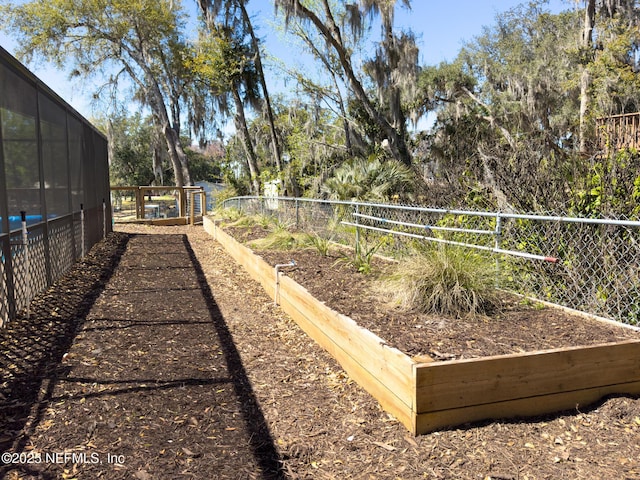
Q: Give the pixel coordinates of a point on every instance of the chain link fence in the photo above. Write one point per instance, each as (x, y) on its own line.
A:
(591, 265)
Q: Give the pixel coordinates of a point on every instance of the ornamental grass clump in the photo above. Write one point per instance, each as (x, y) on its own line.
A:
(242, 221)
(279, 239)
(444, 280)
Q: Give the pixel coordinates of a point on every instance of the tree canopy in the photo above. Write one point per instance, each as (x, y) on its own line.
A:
(514, 114)
(139, 39)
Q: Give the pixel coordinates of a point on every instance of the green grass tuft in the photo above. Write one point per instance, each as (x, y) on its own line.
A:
(320, 243)
(444, 280)
(363, 254)
(279, 240)
(243, 221)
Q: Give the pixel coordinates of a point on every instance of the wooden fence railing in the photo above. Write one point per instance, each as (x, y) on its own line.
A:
(158, 204)
(618, 132)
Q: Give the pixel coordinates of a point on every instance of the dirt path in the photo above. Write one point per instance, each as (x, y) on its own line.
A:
(153, 385)
(177, 365)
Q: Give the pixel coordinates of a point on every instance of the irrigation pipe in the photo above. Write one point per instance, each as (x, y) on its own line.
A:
(277, 268)
(425, 227)
(460, 244)
(550, 218)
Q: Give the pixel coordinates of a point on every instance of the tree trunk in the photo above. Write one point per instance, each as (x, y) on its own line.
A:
(492, 184)
(339, 99)
(396, 139)
(157, 167)
(157, 104)
(345, 120)
(332, 34)
(177, 155)
(258, 62)
(395, 104)
(584, 106)
(175, 126)
(170, 137)
(110, 144)
(241, 126)
(587, 40)
(491, 119)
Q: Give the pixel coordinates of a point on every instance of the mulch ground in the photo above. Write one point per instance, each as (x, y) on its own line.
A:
(158, 357)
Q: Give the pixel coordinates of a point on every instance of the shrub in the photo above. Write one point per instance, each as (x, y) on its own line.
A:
(242, 221)
(445, 280)
(235, 218)
(230, 214)
(276, 224)
(372, 179)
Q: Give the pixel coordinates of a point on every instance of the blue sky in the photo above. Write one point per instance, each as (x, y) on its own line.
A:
(441, 27)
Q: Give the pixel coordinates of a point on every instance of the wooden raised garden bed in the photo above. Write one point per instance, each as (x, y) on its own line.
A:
(427, 395)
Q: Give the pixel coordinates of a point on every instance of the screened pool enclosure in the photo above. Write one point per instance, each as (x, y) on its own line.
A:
(54, 186)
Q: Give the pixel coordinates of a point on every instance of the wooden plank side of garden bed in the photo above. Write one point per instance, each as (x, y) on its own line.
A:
(385, 372)
(520, 408)
(528, 380)
(461, 383)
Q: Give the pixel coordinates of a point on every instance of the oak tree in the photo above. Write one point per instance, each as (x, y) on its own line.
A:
(139, 39)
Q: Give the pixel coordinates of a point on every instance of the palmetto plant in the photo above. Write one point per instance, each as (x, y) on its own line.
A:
(373, 179)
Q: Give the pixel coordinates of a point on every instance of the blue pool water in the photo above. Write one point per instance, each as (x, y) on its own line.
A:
(15, 221)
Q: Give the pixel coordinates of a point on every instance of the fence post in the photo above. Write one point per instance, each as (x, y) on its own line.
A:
(139, 203)
(357, 228)
(104, 219)
(297, 214)
(27, 266)
(497, 244)
(82, 230)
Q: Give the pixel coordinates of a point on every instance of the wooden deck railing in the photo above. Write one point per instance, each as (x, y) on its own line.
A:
(618, 132)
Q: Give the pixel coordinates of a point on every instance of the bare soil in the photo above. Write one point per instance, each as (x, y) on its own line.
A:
(158, 357)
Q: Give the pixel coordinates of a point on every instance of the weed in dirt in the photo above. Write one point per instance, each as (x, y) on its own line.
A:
(530, 302)
(245, 221)
(320, 243)
(230, 214)
(363, 255)
(267, 222)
